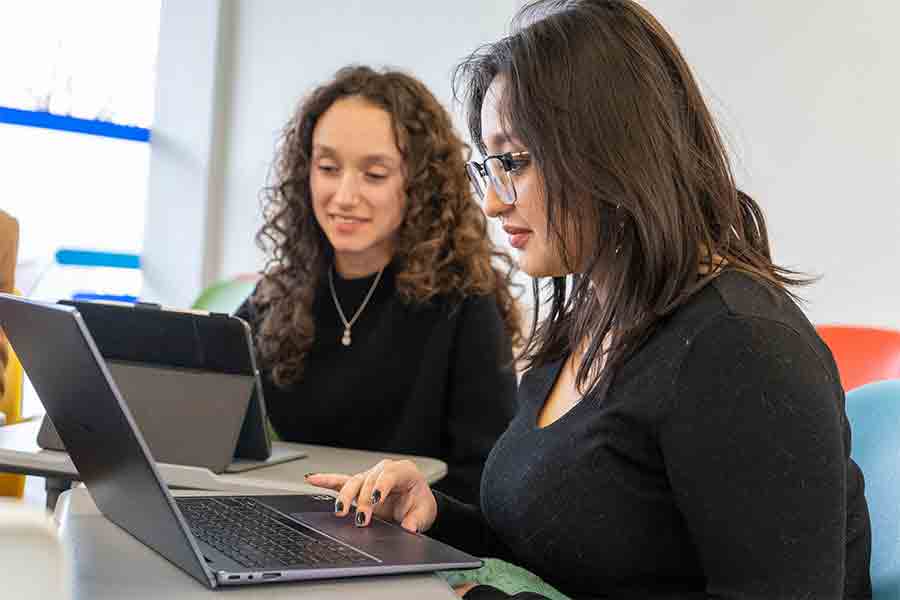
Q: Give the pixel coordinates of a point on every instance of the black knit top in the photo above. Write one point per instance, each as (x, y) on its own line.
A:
(432, 380)
(717, 465)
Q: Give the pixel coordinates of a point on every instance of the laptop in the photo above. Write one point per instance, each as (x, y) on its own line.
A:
(183, 372)
(218, 540)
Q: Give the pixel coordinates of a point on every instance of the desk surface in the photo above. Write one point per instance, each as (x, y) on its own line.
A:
(20, 453)
(108, 563)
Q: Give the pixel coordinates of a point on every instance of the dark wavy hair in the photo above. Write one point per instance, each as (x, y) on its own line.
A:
(443, 248)
(634, 173)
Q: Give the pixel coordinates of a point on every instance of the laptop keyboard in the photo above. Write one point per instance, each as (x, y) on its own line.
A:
(254, 535)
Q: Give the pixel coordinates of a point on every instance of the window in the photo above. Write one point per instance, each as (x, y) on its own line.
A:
(77, 84)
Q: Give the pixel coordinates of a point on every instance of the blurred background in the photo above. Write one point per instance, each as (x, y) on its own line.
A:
(135, 136)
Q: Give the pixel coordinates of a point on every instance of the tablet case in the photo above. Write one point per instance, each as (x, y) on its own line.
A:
(181, 373)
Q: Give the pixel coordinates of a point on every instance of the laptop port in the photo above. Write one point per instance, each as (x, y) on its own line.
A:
(271, 575)
(233, 577)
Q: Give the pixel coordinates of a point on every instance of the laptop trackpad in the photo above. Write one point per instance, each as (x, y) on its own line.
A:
(385, 541)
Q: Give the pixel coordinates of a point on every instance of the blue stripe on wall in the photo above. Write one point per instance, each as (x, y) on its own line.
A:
(97, 258)
(45, 120)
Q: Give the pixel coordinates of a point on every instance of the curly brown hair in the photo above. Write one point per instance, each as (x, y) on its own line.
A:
(443, 248)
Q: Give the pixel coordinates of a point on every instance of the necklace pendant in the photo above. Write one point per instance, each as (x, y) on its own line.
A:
(345, 339)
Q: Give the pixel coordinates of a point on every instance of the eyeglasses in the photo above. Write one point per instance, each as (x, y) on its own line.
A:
(494, 171)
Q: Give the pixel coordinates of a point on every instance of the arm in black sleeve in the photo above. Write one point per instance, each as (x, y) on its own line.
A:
(481, 395)
(755, 455)
(463, 526)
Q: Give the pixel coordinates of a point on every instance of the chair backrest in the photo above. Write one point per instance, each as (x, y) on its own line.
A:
(11, 401)
(9, 244)
(9, 248)
(874, 414)
(225, 296)
(12, 484)
(863, 354)
(35, 563)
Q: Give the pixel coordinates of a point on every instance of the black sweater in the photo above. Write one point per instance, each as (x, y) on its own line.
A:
(716, 466)
(432, 380)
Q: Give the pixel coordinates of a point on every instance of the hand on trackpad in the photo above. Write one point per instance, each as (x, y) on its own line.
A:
(379, 539)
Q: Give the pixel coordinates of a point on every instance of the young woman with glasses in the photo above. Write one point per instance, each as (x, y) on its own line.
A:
(681, 430)
(384, 319)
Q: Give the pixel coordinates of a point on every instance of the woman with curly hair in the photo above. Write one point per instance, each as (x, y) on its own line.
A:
(382, 320)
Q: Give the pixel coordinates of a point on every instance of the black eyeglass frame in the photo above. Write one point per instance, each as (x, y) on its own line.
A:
(510, 161)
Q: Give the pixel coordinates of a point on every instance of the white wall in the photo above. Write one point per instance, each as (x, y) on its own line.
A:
(185, 153)
(808, 92)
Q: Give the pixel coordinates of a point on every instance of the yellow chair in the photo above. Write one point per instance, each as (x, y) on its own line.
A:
(11, 402)
(11, 406)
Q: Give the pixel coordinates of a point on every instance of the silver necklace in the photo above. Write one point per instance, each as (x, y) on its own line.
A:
(345, 339)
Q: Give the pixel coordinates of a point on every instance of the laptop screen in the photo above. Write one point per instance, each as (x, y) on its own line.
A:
(71, 379)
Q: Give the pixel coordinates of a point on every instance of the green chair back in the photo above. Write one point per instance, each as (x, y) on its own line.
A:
(225, 296)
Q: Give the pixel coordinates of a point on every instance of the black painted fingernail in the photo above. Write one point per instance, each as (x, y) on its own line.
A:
(360, 518)
(338, 506)
(308, 475)
(376, 496)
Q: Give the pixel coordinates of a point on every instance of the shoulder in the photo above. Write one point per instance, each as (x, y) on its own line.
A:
(481, 317)
(275, 290)
(479, 333)
(738, 306)
(757, 354)
(464, 309)
(481, 306)
(750, 346)
(741, 335)
(742, 311)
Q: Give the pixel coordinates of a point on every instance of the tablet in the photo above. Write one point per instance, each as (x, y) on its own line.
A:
(183, 373)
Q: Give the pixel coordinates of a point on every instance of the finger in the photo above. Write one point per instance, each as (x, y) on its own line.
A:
(402, 508)
(417, 519)
(366, 497)
(332, 481)
(421, 513)
(348, 494)
(385, 485)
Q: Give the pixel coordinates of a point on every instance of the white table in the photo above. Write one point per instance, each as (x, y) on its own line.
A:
(19, 453)
(110, 564)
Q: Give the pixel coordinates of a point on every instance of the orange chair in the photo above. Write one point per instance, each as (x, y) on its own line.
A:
(863, 354)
